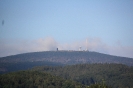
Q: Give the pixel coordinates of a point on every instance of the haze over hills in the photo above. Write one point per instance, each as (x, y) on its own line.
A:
(29, 60)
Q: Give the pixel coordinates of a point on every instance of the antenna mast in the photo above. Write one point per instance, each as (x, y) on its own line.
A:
(80, 48)
(86, 44)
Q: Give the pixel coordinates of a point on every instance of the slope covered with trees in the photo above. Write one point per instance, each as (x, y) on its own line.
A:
(115, 75)
(67, 57)
(54, 58)
(11, 67)
(34, 79)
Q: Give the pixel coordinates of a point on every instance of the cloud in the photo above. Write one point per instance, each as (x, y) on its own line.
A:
(45, 44)
(23, 46)
(50, 44)
(92, 44)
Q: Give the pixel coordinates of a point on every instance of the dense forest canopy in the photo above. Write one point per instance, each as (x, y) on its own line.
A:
(35, 79)
(71, 76)
(115, 75)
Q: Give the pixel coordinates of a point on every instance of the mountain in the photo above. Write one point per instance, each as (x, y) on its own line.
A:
(114, 75)
(29, 60)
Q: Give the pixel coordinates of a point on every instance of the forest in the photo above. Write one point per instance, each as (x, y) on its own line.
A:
(71, 76)
(35, 79)
(11, 67)
(66, 69)
(114, 75)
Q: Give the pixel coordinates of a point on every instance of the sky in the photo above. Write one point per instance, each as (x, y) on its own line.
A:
(104, 26)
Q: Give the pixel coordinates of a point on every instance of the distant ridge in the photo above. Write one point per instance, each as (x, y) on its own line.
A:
(67, 57)
(61, 58)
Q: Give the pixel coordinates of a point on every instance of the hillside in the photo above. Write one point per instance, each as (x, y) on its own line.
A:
(29, 60)
(114, 75)
(67, 57)
(71, 76)
(34, 79)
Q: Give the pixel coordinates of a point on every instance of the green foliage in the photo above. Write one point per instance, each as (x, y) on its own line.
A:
(115, 75)
(34, 79)
(98, 86)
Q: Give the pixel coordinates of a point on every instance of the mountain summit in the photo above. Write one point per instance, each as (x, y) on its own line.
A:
(29, 60)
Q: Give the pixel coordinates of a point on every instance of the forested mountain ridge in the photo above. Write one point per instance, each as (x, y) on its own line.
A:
(114, 75)
(67, 57)
(50, 58)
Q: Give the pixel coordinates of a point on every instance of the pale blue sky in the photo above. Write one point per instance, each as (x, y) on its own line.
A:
(67, 21)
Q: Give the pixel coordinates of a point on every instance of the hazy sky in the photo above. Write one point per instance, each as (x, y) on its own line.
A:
(41, 25)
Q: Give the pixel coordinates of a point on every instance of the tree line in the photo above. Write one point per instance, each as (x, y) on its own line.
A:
(114, 75)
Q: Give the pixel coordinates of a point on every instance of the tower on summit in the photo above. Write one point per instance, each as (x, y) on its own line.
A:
(80, 48)
(86, 44)
(57, 49)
